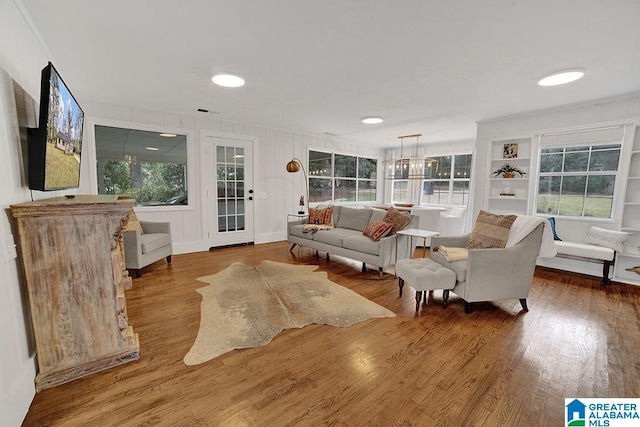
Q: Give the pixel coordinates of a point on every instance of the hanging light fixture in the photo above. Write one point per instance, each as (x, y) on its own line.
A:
(410, 166)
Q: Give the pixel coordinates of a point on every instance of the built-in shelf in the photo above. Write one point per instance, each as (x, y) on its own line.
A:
(516, 152)
(631, 219)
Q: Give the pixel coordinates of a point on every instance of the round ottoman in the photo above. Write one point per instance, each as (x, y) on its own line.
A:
(424, 275)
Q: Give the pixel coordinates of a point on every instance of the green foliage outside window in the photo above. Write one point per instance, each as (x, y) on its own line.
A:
(158, 183)
(341, 177)
(578, 181)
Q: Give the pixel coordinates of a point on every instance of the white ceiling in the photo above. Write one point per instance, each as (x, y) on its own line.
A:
(319, 66)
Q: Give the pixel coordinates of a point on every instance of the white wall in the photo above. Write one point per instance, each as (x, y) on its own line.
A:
(21, 60)
(272, 150)
(623, 110)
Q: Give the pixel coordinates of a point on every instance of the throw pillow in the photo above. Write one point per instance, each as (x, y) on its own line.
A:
(397, 218)
(321, 216)
(607, 238)
(377, 230)
(133, 223)
(552, 220)
(491, 231)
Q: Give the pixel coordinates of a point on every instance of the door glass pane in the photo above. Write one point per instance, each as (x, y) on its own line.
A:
(230, 185)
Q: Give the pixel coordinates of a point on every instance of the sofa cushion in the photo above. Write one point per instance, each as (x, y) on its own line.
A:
(321, 216)
(353, 219)
(584, 250)
(397, 218)
(152, 241)
(458, 267)
(377, 230)
(298, 231)
(377, 215)
(607, 238)
(334, 237)
(361, 243)
(491, 231)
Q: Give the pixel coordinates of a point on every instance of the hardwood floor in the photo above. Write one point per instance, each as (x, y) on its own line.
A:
(496, 366)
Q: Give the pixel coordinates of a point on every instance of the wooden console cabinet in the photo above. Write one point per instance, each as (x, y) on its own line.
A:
(74, 268)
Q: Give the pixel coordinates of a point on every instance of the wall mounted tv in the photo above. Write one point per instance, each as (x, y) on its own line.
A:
(55, 145)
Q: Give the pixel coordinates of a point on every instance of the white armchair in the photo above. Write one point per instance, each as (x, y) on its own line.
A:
(492, 274)
(142, 249)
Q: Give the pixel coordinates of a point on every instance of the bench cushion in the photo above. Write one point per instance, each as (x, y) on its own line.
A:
(584, 250)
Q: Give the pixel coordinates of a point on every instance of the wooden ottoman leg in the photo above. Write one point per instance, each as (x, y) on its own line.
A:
(418, 299)
(400, 284)
(445, 298)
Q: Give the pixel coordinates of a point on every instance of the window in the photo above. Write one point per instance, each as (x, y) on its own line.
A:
(446, 180)
(577, 180)
(149, 167)
(341, 178)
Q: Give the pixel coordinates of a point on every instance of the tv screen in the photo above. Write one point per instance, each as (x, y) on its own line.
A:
(55, 146)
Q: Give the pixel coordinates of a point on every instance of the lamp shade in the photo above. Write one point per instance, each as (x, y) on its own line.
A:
(293, 166)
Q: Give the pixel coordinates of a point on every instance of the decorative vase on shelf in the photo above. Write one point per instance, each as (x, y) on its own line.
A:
(509, 175)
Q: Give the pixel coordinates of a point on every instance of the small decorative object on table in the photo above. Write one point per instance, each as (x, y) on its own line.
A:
(301, 211)
(508, 171)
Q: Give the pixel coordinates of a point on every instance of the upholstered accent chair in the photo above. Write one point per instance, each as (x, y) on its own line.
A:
(492, 274)
(146, 247)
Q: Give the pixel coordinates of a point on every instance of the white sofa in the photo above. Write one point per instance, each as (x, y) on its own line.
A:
(346, 238)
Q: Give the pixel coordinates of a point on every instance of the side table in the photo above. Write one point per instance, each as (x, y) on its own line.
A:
(294, 217)
(415, 232)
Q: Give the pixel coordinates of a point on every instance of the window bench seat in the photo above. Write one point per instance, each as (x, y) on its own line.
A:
(587, 252)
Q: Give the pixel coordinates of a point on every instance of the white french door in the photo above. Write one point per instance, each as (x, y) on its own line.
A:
(227, 176)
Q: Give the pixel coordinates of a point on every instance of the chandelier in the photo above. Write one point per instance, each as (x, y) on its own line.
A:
(411, 165)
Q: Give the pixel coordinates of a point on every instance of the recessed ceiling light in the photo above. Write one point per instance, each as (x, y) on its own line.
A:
(228, 80)
(561, 77)
(168, 135)
(374, 120)
(152, 148)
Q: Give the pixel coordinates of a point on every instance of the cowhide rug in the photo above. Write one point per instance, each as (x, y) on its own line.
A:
(246, 306)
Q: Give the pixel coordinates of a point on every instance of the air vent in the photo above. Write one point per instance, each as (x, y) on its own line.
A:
(204, 110)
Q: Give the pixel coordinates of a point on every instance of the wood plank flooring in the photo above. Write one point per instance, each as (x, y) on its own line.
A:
(496, 366)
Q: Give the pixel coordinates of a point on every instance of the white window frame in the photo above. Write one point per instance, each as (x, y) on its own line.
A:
(611, 135)
(332, 178)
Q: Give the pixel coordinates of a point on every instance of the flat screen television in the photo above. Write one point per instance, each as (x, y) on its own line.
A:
(55, 146)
